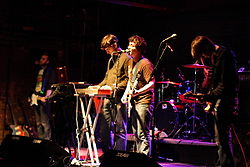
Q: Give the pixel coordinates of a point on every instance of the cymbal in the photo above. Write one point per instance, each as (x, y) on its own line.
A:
(195, 66)
(168, 82)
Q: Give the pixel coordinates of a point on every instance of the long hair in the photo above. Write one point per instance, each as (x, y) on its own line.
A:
(200, 45)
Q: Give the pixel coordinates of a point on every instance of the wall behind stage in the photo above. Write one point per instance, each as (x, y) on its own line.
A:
(72, 31)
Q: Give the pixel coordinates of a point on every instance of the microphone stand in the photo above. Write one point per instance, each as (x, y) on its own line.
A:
(114, 100)
(155, 105)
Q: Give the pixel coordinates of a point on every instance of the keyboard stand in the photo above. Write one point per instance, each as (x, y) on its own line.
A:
(88, 128)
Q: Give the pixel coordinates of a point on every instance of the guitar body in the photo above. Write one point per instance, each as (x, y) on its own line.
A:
(35, 98)
(189, 97)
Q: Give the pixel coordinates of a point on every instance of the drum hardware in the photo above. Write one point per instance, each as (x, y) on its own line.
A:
(193, 121)
(164, 85)
(197, 123)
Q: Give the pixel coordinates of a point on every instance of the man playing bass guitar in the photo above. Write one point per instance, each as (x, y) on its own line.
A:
(221, 91)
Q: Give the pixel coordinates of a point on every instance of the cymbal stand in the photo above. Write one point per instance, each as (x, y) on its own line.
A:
(194, 105)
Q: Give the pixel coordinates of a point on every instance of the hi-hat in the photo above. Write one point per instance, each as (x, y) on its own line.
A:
(195, 66)
(168, 82)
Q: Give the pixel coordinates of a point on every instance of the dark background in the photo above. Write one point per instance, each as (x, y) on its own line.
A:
(71, 31)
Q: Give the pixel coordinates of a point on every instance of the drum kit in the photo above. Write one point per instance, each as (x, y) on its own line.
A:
(178, 116)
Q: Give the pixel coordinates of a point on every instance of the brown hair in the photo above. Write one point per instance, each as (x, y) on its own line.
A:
(200, 45)
(140, 43)
(108, 40)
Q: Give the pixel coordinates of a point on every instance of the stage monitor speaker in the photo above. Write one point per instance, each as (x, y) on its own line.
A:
(33, 152)
(114, 158)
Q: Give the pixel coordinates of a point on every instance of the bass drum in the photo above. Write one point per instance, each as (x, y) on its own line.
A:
(166, 117)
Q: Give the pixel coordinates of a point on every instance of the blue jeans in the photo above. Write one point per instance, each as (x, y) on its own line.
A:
(113, 128)
(42, 120)
(141, 123)
(223, 136)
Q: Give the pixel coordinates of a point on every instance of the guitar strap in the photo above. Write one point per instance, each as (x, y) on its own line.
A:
(135, 70)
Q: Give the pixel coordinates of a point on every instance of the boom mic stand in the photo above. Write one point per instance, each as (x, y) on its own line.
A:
(153, 116)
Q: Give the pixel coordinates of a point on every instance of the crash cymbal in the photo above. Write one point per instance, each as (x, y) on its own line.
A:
(195, 66)
(168, 82)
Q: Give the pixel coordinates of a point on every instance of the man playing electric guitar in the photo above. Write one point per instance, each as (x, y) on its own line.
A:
(45, 78)
(141, 91)
(130, 92)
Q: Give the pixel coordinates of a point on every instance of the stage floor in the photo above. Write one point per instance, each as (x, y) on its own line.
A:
(173, 161)
(170, 153)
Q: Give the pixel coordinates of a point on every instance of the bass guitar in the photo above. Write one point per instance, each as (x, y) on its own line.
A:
(191, 98)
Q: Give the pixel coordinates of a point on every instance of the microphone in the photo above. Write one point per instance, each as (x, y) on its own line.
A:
(122, 51)
(170, 37)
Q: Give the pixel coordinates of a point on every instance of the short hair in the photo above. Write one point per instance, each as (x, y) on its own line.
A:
(200, 45)
(46, 53)
(140, 43)
(108, 40)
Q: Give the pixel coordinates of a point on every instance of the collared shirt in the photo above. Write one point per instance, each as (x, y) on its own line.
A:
(118, 73)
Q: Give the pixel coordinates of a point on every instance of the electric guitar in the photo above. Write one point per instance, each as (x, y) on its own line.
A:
(35, 98)
(130, 92)
(16, 129)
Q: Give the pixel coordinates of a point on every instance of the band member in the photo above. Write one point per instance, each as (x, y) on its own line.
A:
(221, 83)
(45, 78)
(139, 93)
(113, 128)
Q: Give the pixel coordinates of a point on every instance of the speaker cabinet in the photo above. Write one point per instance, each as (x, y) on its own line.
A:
(33, 152)
(114, 158)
